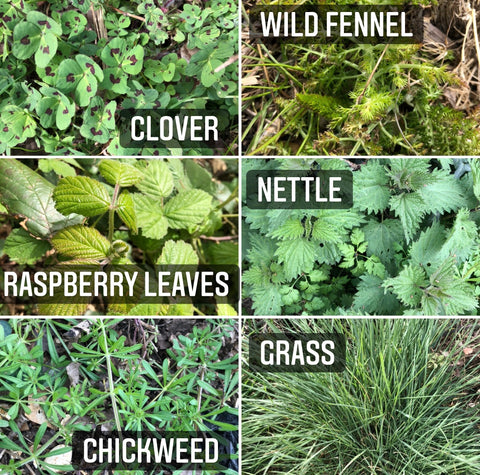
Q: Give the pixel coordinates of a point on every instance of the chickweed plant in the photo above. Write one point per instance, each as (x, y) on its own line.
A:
(114, 375)
(407, 403)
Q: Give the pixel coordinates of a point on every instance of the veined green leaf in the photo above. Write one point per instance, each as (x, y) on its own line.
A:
(81, 194)
(187, 208)
(150, 217)
(126, 210)
(23, 248)
(297, 256)
(158, 180)
(24, 192)
(178, 253)
(119, 173)
(79, 242)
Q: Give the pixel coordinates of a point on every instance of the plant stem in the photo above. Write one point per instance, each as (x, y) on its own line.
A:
(111, 212)
(110, 379)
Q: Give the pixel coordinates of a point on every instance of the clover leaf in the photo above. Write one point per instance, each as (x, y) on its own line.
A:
(122, 60)
(169, 69)
(17, 124)
(98, 120)
(80, 75)
(55, 108)
(140, 98)
(156, 21)
(73, 23)
(37, 35)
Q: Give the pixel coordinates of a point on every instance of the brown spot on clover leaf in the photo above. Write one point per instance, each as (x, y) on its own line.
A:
(89, 88)
(25, 40)
(44, 22)
(96, 132)
(91, 67)
(6, 129)
(132, 59)
(49, 111)
(48, 71)
(113, 79)
(70, 77)
(114, 51)
(46, 49)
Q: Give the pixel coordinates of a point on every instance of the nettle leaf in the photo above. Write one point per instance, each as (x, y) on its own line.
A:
(81, 194)
(38, 34)
(371, 297)
(410, 208)
(187, 208)
(157, 182)
(55, 109)
(26, 193)
(73, 23)
(150, 217)
(408, 285)
(178, 253)
(382, 238)
(267, 300)
(80, 75)
(297, 256)
(475, 167)
(461, 240)
(98, 120)
(444, 194)
(370, 187)
(22, 248)
(81, 242)
(119, 173)
(426, 250)
(448, 294)
(291, 229)
(126, 210)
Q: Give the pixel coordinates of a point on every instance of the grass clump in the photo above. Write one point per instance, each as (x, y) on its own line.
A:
(407, 404)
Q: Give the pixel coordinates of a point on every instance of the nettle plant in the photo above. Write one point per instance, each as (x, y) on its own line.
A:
(409, 245)
(66, 71)
(125, 212)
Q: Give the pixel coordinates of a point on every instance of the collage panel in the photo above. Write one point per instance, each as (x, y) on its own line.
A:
(340, 78)
(119, 78)
(65, 382)
(360, 236)
(119, 237)
(405, 402)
